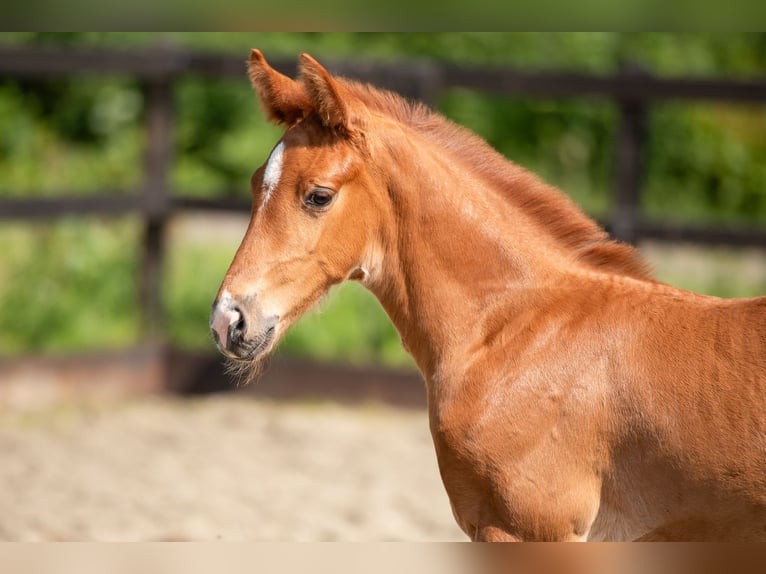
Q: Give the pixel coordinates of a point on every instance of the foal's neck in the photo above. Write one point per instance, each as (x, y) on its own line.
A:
(454, 250)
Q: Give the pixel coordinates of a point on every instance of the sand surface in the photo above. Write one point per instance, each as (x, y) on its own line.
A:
(225, 467)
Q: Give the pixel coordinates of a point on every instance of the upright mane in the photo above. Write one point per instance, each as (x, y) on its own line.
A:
(548, 206)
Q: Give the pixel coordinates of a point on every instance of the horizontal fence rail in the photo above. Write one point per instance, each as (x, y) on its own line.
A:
(160, 62)
(159, 67)
(632, 90)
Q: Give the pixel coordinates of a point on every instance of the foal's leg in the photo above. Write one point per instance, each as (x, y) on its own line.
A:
(490, 528)
(742, 528)
(494, 534)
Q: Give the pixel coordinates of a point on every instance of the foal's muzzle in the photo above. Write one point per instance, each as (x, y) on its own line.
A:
(239, 334)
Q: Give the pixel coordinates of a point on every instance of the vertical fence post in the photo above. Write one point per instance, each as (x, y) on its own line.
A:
(158, 92)
(629, 165)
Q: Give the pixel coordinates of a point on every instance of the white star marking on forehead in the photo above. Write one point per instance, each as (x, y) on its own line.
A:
(273, 171)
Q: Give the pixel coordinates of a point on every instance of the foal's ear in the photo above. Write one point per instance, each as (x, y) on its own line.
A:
(283, 99)
(325, 93)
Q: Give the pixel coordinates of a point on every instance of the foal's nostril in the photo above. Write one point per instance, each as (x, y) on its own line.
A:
(228, 324)
(239, 335)
(237, 328)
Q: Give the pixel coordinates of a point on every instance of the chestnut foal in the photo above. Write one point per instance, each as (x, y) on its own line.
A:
(570, 396)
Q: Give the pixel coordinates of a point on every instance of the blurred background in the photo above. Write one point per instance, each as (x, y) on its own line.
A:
(125, 161)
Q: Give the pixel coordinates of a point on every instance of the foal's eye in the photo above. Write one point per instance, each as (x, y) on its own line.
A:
(319, 197)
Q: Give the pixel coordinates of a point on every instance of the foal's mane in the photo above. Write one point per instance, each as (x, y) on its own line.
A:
(550, 208)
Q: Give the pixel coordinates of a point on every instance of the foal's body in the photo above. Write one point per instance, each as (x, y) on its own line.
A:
(570, 403)
(570, 396)
(573, 442)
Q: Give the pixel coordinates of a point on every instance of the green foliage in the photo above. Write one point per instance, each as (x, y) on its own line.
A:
(190, 292)
(221, 139)
(350, 325)
(566, 142)
(70, 285)
(87, 147)
(706, 163)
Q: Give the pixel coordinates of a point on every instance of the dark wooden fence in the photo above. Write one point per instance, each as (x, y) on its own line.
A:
(158, 69)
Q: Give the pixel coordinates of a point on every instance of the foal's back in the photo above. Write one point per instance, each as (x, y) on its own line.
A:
(692, 397)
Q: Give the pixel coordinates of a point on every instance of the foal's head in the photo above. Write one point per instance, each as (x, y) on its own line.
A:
(316, 208)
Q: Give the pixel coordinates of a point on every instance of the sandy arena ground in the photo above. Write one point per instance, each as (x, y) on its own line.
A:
(227, 467)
